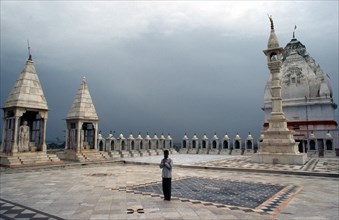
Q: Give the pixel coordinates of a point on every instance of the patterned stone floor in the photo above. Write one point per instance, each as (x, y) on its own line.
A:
(249, 197)
(11, 210)
(327, 165)
(131, 191)
(315, 164)
(245, 162)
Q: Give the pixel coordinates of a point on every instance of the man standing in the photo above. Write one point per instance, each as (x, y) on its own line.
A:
(166, 166)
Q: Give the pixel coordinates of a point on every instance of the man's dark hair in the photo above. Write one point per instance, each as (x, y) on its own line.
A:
(166, 152)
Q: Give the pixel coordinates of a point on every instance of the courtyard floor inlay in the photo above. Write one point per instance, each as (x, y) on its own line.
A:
(11, 210)
(249, 197)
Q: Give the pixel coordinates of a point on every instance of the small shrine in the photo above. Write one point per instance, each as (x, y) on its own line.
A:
(24, 122)
(82, 129)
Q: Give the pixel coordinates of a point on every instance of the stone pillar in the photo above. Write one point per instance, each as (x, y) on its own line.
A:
(278, 145)
(95, 135)
(14, 148)
(80, 137)
(4, 126)
(43, 132)
(67, 136)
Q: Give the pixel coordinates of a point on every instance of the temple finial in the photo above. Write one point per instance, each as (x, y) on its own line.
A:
(271, 20)
(295, 27)
(29, 51)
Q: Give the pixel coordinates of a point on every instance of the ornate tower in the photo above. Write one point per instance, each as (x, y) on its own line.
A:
(278, 145)
(307, 100)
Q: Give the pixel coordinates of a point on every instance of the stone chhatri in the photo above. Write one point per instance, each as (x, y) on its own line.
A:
(24, 123)
(278, 145)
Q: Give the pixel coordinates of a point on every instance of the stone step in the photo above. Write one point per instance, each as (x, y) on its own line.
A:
(53, 157)
(192, 151)
(93, 156)
(173, 151)
(10, 161)
(183, 150)
(28, 159)
(124, 154)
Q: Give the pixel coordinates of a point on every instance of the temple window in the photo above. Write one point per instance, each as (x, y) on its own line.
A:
(293, 80)
(273, 57)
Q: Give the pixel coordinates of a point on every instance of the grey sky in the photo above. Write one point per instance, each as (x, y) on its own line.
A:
(170, 67)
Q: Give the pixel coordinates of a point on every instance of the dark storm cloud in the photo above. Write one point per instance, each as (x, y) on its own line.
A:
(170, 67)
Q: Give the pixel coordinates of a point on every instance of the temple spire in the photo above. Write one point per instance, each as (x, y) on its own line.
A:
(295, 27)
(271, 20)
(273, 40)
(29, 51)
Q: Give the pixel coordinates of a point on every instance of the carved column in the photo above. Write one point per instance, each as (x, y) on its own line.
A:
(14, 148)
(79, 139)
(3, 143)
(44, 147)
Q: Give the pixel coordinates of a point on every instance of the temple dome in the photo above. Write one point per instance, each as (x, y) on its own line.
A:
(205, 137)
(226, 137)
(147, 137)
(237, 137)
(301, 76)
(130, 137)
(249, 137)
(215, 137)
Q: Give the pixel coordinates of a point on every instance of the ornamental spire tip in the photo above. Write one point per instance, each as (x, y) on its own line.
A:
(271, 20)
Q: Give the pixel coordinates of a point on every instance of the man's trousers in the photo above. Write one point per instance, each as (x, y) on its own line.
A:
(166, 188)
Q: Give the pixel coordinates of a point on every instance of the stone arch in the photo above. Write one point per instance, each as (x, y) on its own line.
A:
(184, 144)
(225, 144)
(101, 145)
(249, 144)
(236, 144)
(329, 144)
(112, 145)
(132, 145)
(204, 144)
(312, 144)
(122, 145)
(214, 144)
(194, 144)
(88, 131)
(35, 123)
(273, 56)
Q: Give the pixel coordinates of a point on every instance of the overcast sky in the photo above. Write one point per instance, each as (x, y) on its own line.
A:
(161, 67)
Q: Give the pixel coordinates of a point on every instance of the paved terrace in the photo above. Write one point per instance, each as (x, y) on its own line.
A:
(203, 187)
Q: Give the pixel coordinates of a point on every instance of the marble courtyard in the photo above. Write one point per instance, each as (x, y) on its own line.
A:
(204, 187)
